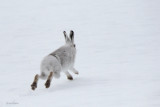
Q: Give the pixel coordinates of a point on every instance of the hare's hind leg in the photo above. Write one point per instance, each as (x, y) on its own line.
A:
(34, 84)
(36, 78)
(49, 79)
(69, 76)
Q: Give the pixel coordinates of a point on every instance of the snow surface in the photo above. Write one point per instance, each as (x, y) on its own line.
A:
(118, 58)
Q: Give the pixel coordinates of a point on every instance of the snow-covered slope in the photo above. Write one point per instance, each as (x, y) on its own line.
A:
(118, 43)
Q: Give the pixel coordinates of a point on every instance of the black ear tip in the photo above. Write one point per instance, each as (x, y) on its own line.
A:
(64, 31)
(72, 31)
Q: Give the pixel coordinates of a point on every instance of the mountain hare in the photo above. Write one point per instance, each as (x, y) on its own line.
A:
(61, 59)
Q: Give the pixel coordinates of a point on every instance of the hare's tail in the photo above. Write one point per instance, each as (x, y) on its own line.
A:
(43, 76)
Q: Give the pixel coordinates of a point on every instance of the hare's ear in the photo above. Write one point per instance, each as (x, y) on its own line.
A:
(72, 36)
(65, 36)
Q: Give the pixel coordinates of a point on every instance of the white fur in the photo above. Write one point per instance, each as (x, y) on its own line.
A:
(61, 60)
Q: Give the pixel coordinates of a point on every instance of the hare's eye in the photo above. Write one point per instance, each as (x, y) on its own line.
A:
(74, 45)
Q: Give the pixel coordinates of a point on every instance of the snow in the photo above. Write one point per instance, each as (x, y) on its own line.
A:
(118, 52)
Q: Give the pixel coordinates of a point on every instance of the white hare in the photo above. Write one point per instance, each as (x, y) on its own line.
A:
(61, 60)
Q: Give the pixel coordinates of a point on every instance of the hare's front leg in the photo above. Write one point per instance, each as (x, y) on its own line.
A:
(34, 84)
(48, 82)
(69, 76)
(74, 70)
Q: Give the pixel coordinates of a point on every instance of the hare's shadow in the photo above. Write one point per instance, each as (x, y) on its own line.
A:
(77, 82)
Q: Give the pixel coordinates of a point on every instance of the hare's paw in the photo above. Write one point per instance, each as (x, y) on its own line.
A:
(47, 84)
(76, 72)
(70, 77)
(33, 85)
